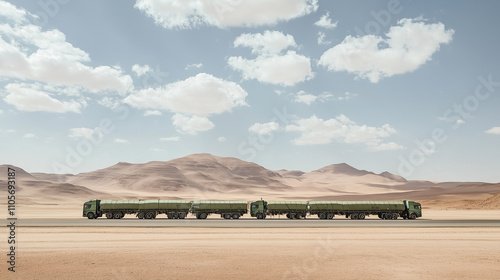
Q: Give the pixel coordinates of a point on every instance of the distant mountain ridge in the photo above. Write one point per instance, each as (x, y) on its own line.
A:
(205, 176)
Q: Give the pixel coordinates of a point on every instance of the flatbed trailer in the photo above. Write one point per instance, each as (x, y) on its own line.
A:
(361, 209)
(144, 209)
(228, 209)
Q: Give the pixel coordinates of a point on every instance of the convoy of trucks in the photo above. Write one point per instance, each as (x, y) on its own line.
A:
(260, 209)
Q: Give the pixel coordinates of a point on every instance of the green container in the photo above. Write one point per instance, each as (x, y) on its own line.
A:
(218, 205)
(299, 206)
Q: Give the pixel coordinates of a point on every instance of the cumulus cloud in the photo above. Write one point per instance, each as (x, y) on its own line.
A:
(141, 70)
(28, 53)
(494, 130)
(221, 139)
(29, 135)
(271, 65)
(316, 131)
(32, 98)
(264, 128)
(193, 100)
(201, 95)
(406, 47)
(269, 42)
(322, 39)
(172, 14)
(191, 124)
(326, 22)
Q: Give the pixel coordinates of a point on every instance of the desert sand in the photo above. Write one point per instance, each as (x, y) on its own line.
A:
(249, 253)
(235, 253)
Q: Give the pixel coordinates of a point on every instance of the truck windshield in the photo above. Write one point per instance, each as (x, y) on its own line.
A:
(255, 206)
(87, 206)
(417, 206)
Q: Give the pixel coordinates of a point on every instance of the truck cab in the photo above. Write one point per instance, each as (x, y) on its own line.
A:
(91, 209)
(258, 209)
(413, 209)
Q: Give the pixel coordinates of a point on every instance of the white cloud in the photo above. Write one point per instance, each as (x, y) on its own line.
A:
(170, 139)
(494, 130)
(120, 141)
(269, 42)
(407, 47)
(141, 70)
(12, 12)
(191, 124)
(307, 98)
(322, 39)
(287, 70)
(326, 22)
(222, 139)
(109, 102)
(29, 135)
(271, 66)
(264, 128)
(28, 53)
(201, 95)
(223, 13)
(81, 133)
(194, 65)
(156, 150)
(316, 131)
(29, 97)
(152, 113)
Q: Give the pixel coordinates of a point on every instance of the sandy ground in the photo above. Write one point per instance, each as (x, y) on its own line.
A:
(210, 253)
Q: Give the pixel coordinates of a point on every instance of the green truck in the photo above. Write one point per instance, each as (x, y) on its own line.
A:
(143, 209)
(360, 209)
(228, 209)
(292, 209)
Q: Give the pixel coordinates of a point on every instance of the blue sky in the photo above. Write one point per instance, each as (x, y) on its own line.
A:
(409, 87)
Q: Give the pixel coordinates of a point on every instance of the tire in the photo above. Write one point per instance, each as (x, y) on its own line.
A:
(140, 215)
(90, 215)
(198, 216)
(236, 216)
(298, 216)
(182, 215)
(361, 216)
(117, 215)
(203, 215)
(330, 216)
(292, 216)
(354, 216)
(395, 216)
(259, 216)
(227, 216)
(170, 215)
(413, 216)
(322, 216)
(148, 215)
(109, 215)
(288, 216)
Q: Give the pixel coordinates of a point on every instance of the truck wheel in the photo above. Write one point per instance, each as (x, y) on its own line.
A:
(227, 216)
(361, 216)
(236, 216)
(117, 215)
(322, 216)
(413, 216)
(203, 215)
(354, 216)
(140, 215)
(170, 215)
(109, 215)
(182, 215)
(148, 215)
(90, 215)
(330, 216)
(395, 216)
